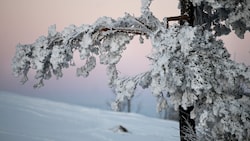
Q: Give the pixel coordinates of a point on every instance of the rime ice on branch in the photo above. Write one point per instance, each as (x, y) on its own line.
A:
(224, 15)
(189, 64)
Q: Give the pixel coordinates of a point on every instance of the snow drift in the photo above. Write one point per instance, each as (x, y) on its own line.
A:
(32, 119)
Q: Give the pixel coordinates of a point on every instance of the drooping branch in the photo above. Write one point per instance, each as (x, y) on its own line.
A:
(50, 54)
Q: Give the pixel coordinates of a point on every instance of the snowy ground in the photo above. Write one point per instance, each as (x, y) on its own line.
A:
(31, 119)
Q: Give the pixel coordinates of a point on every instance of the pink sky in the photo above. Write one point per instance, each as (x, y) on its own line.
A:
(23, 21)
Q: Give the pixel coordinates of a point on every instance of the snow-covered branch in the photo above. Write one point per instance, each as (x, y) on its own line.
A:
(106, 37)
(224, 15)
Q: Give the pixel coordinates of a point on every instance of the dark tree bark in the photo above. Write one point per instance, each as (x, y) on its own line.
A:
(185, 122)
(187, 9)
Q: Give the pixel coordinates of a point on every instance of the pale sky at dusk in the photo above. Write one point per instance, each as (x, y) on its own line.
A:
(23, 21)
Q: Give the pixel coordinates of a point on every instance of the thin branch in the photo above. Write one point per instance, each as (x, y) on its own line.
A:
(178, 18)
(138, 31)
(124, 30)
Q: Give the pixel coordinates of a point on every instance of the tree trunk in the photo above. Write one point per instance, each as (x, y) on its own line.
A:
(129, 105)
(185, 121)
(187, 9)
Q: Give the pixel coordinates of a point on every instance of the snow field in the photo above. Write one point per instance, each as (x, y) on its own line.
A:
(31, 119)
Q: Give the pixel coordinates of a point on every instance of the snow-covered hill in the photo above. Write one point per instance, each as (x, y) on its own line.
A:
(31, 119)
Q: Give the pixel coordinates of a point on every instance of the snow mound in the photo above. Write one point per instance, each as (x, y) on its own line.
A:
(32, 119)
